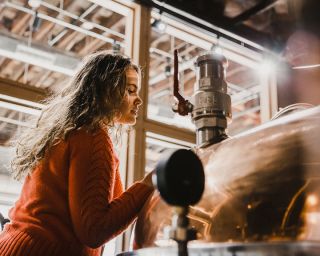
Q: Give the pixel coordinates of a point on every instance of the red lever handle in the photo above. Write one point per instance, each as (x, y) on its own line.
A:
(183, 106)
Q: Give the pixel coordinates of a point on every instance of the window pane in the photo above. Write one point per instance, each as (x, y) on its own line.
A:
(14, 118)
(161, 78)
(109, 248)
(244, 89)
(9, 189)
(157, 145)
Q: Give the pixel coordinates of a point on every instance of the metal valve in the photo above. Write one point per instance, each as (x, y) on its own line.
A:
(212, 105)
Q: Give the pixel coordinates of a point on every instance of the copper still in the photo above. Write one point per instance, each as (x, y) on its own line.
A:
(262, 187)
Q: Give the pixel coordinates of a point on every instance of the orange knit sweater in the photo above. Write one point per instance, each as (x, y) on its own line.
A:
(73, 202)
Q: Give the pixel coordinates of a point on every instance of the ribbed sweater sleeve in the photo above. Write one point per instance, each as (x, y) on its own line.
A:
(96, 216)
(118, 188)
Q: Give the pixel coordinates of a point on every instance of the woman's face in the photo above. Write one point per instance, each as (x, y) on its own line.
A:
(131, 101)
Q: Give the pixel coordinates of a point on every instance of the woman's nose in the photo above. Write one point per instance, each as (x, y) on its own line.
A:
(138, 101)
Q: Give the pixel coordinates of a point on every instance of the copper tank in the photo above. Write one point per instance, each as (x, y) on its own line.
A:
(262, 188)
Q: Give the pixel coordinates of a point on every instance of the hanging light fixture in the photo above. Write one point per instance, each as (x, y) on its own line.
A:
(36, 23)
(167, 69)
(159, 25)
(34, 3)
(216, 47)
(116, 47)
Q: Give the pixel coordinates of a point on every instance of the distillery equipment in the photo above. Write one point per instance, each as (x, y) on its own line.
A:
(262, 187)
(211, 110)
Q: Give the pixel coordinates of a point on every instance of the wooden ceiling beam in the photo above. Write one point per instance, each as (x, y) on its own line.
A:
(6, 67)
(38, 80)
(21, 23)
(21, 91)
(95, 44)
(19, 72)
(44, 30)
(76, 40)
(67, 39)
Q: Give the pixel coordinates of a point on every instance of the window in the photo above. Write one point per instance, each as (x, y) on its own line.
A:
(157, 145)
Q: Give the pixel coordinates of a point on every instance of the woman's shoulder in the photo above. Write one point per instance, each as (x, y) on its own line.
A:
(98, 142)
(87, 135)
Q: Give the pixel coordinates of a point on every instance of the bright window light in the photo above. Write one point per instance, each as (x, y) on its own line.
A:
(266, 67)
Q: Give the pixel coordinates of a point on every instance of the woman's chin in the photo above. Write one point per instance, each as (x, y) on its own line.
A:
(133, 122)
(128, 122)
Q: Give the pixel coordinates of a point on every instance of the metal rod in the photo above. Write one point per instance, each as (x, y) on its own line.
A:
(182, 249)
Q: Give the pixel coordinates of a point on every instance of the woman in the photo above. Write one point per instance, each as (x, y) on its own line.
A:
(72, 201)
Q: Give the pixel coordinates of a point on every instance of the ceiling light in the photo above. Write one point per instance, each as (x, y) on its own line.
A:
(116, 47)
(167, 68)
(216, 49)
(36, 23)
(159, 26)
(87, 25)
(34, 3)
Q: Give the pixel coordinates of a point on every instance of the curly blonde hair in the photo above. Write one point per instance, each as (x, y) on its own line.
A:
(92, 99)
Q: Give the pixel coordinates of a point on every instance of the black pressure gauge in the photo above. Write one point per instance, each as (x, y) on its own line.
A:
(180, 177)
